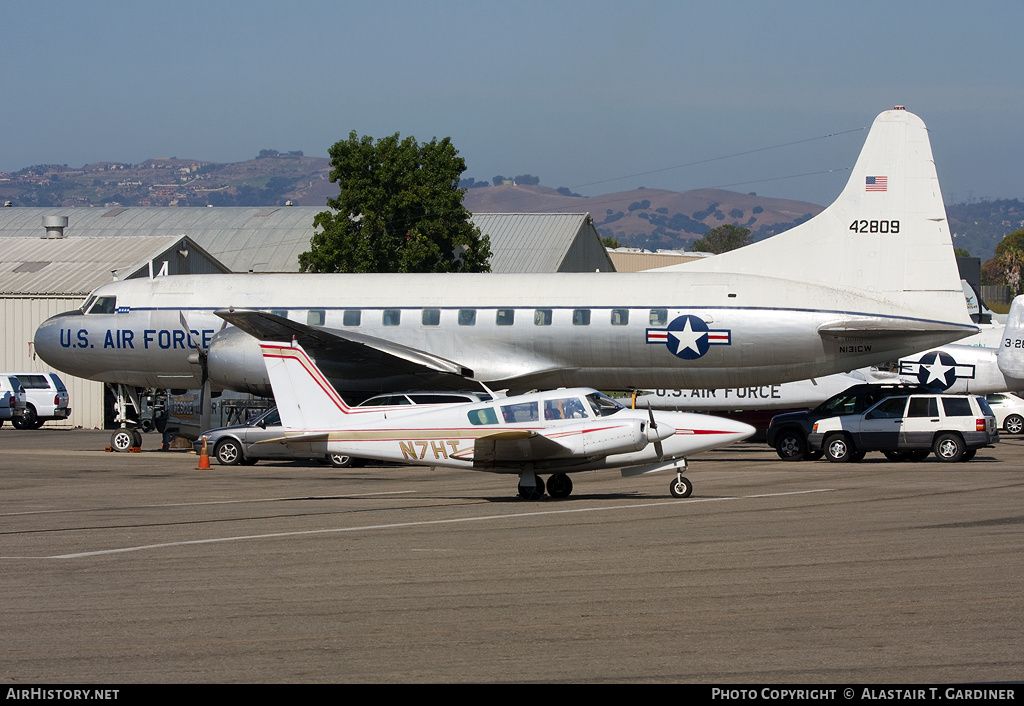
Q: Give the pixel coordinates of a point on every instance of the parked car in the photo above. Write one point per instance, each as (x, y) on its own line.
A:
(238, 444)
(787, 433)
(12, 398)
(46, 398)
(908, 427)
(1009, 410)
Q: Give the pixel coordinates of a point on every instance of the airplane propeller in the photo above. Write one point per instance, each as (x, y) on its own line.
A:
(200, 357)
(653, 426)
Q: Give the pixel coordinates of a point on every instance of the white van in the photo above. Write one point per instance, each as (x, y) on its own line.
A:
(12, 398)
(46, 398)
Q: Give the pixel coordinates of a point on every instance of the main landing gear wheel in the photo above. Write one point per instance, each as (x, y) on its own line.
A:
(680, 487)
(531, 492)
(559, 486)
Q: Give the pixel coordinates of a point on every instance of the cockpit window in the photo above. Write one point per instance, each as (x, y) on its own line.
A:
(564, 408)
(88, 302)
(602, 405)
(103, 305)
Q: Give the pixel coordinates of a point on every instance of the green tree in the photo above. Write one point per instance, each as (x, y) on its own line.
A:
(1007, 267)
(399, 210)
(722, 239)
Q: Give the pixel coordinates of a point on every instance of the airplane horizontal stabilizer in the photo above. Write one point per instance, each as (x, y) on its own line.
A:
(297, 438)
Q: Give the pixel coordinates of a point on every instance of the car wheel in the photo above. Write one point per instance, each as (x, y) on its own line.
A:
(968, 454)
(838, 449)
(949, 448)
(895, 455)
(27, 420)
(340, 460)
(1013, 424)
(228, 452)
(791, 445)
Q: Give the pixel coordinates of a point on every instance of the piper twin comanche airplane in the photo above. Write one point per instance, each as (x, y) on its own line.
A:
(558, 432)
(870, 279)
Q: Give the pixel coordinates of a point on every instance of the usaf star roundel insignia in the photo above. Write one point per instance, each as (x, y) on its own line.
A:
(688, 337)
(937, 370)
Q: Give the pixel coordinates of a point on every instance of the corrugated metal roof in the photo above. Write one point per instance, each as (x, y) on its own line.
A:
(262, 239)
(73, 266)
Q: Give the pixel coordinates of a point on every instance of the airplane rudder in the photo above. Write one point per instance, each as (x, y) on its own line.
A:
(1011, 353)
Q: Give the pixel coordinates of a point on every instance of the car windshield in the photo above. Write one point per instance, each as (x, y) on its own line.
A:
(270, 418)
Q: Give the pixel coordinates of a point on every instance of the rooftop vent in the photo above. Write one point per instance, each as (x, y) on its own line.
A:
(55, 226)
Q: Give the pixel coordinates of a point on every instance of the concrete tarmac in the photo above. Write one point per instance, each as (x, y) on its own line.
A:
(138, 568)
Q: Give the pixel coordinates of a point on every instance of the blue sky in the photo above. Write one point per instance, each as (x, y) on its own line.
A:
(582, 94)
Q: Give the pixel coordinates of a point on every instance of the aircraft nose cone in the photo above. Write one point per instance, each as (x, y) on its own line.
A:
(47, 341)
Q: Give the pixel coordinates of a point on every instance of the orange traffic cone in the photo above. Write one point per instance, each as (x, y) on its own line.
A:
(204, 458)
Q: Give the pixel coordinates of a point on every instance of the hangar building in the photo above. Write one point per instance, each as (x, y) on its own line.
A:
(51, 258)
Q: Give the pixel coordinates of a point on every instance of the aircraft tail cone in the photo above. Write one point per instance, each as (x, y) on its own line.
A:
(204, 458)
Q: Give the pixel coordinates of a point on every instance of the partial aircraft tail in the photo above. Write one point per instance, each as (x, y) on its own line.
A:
(1011, 353)
(886, 234)
(306, 400)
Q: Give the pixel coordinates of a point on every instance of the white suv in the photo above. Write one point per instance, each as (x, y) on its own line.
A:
(12, 398)
(907, 427)
(46, 398)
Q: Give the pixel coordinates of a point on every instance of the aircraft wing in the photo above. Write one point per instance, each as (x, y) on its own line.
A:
(516, 445)
(366, 356)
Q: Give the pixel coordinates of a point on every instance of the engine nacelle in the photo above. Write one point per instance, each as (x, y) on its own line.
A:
(603, 436)
(235, 362)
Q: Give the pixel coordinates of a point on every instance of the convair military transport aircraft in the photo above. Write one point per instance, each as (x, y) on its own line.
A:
(870, 279)
(558, 432)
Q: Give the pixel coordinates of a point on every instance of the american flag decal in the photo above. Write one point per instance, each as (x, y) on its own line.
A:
(876, 183)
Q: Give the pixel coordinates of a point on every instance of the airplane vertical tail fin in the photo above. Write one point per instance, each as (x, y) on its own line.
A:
(1011, 352)
(305, 399)
(885, 235)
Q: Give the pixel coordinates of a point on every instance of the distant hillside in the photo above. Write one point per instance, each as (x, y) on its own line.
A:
(977, 227)
(651, 218)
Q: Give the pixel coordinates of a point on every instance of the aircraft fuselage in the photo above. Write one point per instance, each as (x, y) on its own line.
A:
(604, 330)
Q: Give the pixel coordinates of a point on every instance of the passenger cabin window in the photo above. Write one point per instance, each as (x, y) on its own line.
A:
(542, 317)
(956, 406)
(104, 305)
(486, 415)
(391, 317)
(620, 317)
(521, 412)
(923, 407)
(581, 317)
(467, 317)
(352, 317)
(283, 313)
(316, 317)
(564, 408)
(505, 317)
(431, 317)
(659, 317)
